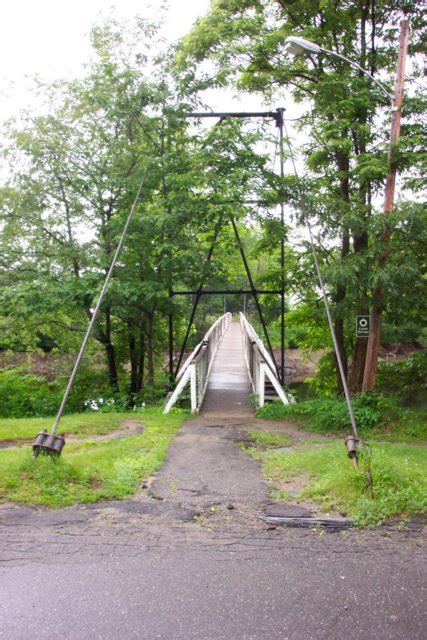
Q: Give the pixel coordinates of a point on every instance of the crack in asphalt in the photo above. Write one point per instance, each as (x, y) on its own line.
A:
(209, 496)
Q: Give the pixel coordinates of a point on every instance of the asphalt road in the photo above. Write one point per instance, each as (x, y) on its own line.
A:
(291, 589)
(192, 559)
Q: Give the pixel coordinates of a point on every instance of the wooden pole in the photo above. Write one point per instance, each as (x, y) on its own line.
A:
(378, 294)
(279, 123)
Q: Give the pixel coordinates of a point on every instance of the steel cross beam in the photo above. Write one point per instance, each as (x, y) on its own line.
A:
(277, 116)
(216, 292)
(234, 114)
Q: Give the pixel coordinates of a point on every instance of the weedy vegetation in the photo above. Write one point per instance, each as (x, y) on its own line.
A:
(89, 471)
(391, 480)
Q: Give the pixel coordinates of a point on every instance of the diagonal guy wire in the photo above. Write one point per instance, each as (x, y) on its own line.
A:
(325, 300)
(98, 305)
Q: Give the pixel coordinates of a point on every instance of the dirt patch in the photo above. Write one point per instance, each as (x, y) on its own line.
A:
(294, 486)
(10, 444)
(299, 364)
(129, 428)
(398, 350)
(285, 428)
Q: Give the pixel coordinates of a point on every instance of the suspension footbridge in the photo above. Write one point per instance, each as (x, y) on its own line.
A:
(229, 371)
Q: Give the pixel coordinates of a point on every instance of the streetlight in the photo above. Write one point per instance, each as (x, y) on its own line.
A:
(297, 46)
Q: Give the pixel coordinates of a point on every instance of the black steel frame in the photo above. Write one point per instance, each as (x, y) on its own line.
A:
(277, 116)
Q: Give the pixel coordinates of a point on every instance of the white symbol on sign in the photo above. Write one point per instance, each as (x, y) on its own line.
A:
(363, 322)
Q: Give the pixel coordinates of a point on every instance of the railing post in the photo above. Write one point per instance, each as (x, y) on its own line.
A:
(261, 392)
(197, 367)
(260, 365)
(193, 389)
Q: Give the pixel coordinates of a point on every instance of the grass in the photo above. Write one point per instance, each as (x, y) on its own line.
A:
(398, 488)
(410, 425)
(396, 460)
(79, 425)
(89, 471)
(377, 417)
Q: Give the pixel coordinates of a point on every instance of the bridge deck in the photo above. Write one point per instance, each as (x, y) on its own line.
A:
(228, 387)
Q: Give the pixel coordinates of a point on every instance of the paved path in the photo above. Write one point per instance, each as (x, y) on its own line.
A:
(206, 469)
(229, 389)
(190, 559)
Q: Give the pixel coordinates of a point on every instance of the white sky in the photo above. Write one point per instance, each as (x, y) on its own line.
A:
(50, 38)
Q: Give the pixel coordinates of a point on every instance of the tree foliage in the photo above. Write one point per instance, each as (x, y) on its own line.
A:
(74, 174)
(74, 171)
(343, 128)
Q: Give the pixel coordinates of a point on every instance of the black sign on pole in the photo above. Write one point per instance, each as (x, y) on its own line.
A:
(363, 325)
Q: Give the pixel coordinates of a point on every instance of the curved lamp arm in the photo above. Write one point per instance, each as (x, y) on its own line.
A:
(357, 66)
(296, 46)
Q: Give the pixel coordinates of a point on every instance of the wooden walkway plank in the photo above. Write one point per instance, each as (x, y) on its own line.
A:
(228, 391)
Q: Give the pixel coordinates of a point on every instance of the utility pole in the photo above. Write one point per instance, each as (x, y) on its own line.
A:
(279, 123)
(378, 294)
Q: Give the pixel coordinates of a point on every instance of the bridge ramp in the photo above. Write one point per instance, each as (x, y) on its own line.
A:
(229, 387)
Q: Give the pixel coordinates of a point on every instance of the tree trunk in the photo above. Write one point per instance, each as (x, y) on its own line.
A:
(141, 360)
(374, 339)
(104, 338)
(358, 364)
(111, 354)
(360, 244)
(150, 349)
(339, 334)
(134, 360)
(112, 368)
(343, 163)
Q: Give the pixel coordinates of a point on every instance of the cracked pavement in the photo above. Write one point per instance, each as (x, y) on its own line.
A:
(190, 557)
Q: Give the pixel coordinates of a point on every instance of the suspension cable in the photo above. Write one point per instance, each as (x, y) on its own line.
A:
(98, 306)
(324, 296)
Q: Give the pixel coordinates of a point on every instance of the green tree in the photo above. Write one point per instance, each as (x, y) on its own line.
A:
(343, 123)
(74, 175)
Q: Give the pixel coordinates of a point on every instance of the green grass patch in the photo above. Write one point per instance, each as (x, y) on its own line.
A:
(90, 471)
(267, 440)
(376, 417)
(399, 485)
(78, 425)
(405, 425)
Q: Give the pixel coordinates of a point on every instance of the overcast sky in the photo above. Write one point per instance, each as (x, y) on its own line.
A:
(50, 38)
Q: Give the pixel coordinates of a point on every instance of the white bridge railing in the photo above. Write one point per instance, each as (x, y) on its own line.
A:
(197, 366)
(260, 364)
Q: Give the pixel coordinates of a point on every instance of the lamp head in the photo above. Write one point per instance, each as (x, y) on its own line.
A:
(296, 46)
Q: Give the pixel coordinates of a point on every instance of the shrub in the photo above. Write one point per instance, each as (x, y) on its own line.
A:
(329, 415)
(406, 378)
(26, 395)
(325, 381)
(376, 415)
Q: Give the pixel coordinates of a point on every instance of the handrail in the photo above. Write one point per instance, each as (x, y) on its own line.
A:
(260, 364)
(263, 351)
(189, 360)
(197, 367)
